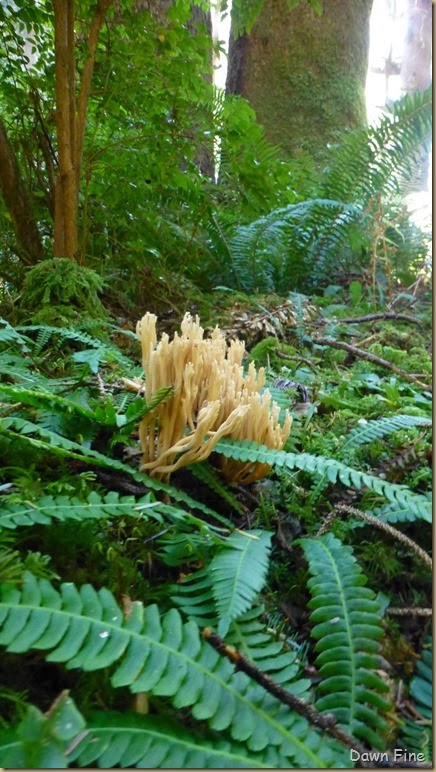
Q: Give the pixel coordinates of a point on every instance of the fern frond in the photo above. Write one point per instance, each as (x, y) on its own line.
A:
(348, 626)
(40, 741)
(104, 349)
(331, 469)
(238, 573)
(194, 597)
(9, 335)
(372, 160)
(117, 740)
(258, 249)
(380, 427)
(417, 736)
(20, 430)
(421, 685)
(224, 590)
(61, 508)
(86, 629)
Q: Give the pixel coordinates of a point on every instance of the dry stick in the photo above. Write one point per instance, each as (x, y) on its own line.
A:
(413, 546)
(380, 315)
(324, 721)
(296, 357)
(412, 612)
(358, 352)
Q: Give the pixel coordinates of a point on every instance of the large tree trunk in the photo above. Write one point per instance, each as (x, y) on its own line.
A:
(304, 74)
(416, 72)
(17, 202)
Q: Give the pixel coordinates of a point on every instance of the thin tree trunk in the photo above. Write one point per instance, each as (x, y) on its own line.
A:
(17, 202)
(66, 192)
(70, 126)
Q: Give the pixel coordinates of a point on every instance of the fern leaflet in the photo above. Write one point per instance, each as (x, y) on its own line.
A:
(332, 469)
(373, 430)
(348, 626)
(86, 629)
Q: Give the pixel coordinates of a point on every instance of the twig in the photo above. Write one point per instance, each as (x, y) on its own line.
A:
(389, 529)
(296, 357)
(380, 315)
(410, 612)
(324, 721)
(358, 352)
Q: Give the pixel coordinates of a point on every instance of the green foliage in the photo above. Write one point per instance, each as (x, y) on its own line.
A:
(348, 626)
(84, 628)
(330, 469)
(373, 430)
(40, 740)
(228, 587)
(417, 735)
(296, 246)
(59, 289)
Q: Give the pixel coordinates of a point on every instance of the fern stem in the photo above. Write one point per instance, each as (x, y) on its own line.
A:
(389, 529)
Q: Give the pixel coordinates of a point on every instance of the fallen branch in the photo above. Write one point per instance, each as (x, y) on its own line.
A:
(380, 315)
(358, 352)
(297, 358)
(324, 721)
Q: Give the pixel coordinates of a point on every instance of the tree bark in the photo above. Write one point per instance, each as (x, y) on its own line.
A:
(416, 73)
(66, 187)
(17, 202)
(303, 74)
(70, 125)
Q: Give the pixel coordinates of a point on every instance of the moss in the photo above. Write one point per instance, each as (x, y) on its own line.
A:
(304, 74)
(263, 353)
(59, 289)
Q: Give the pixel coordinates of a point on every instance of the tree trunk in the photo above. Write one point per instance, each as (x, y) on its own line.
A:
(17, 202)
(71, 119)
(66, 188)
(416, 72)
(303, 74)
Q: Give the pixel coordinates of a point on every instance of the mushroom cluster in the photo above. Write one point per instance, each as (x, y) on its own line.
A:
(211, 398)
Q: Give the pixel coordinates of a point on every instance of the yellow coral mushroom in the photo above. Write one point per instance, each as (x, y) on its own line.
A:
(212, 398)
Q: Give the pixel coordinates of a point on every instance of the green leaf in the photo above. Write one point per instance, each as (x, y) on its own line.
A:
(348, 626)
(86, 629)
(238, 573)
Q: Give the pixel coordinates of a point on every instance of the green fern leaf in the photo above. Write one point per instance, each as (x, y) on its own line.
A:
(417, 736)
(40, 741)
(86, 629)
(117, 740)
(226, 589)
(19, 429)
(60, 508)
(238, 573)
(373, 430)
(330, 468)
(348, 626)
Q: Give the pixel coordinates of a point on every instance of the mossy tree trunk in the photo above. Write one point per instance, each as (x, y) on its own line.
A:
(304, 74)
